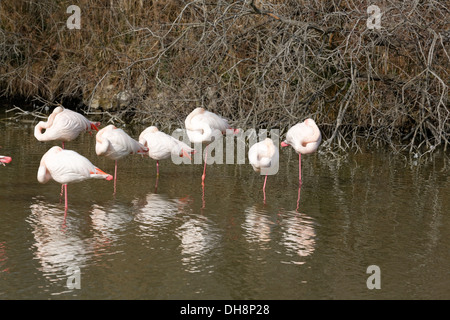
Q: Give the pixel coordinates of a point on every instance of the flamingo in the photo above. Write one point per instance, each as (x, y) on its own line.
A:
(203, 126)
(5, 159)
(263, 155)
(162, 146)
(305, 138)
(67, 166)
(64, 125)
(115, 144)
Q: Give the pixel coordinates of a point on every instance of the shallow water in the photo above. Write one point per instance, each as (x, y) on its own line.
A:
(179, 241)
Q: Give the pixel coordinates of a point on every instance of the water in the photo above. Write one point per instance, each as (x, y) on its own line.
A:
(179, 241)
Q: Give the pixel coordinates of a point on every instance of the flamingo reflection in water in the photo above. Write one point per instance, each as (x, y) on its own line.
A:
(197, 240)
(156, 211)
(257, 226)
(298, 235)
(293, 231)
(54, 247)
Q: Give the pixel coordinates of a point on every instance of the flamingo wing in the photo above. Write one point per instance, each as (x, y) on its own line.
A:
(64, 125)
(212, 120)
(116, 143)
(304, 137)
(263, 154)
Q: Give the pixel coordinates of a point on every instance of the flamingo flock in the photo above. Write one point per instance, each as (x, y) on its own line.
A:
(67, 166)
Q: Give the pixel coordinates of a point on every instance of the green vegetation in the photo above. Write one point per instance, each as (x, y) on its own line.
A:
(261, 64)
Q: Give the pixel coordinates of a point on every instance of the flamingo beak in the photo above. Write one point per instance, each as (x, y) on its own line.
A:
(142, 151)
(185, 154)
(108, 176)
(284, 144)
(94, 126)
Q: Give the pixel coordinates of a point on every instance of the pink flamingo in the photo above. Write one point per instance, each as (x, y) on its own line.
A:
(162, 146)
(263, 155)
(5, 159)
(304, 137)
(63, 125)
(203, 126)
(115, 144)
(67, 166)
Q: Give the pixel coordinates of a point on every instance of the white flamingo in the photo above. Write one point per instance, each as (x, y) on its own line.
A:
(162, 146)
(116, 144)
(203, 126)
(263, 155)
(63, 125)
(67, 166)
(304, 137)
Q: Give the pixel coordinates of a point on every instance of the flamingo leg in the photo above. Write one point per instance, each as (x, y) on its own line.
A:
(61, 193)
(115, 176)
(203, 195)
(264, 189)
(65, 198)
(156, 184)
(203, 179)
(298, 198)
(157, 168)
(300, 169)
(204, 168)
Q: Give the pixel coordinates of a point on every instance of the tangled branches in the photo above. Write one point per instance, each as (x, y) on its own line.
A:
(259, 63)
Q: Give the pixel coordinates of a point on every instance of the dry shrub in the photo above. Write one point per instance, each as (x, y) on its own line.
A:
(261, 64)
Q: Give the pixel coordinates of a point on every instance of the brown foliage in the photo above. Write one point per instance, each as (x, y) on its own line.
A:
(262, 64)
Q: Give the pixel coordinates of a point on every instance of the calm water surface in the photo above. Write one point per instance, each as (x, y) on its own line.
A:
(179, 241)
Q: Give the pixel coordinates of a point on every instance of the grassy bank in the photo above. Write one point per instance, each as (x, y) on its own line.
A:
(261, 64)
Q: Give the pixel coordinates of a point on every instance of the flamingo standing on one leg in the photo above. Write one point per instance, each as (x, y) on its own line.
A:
(304, 137)
(263, 155)
(162, 146)
(203, 126)
(63, 125)
(5, 159)
(115, 144)
(67, 166)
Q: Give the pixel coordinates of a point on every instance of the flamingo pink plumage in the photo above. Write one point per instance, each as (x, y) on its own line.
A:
(115, 143)
(304, 137)
(203, 126)
(162, 146)
(262, 156)
(5, 159)
(63, 125)
(67, 166)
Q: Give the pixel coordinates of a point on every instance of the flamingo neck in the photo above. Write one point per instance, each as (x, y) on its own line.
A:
(101, 146)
